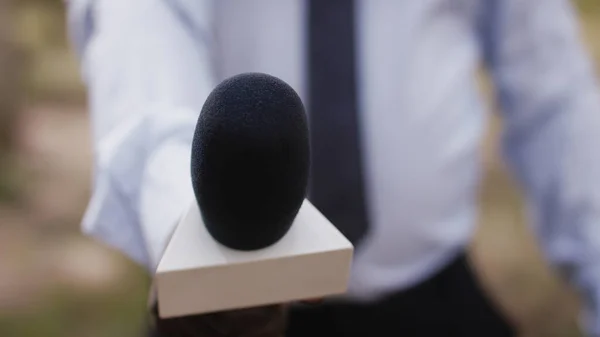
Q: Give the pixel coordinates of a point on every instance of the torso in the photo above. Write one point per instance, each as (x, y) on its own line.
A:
(421, 113)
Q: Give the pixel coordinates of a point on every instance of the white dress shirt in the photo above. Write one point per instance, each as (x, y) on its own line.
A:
(149, 65)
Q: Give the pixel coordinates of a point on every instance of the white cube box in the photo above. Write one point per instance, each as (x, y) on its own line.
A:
(198, 275)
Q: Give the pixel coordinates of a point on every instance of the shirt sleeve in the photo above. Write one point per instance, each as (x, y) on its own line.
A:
(550, 100)
(148, 69)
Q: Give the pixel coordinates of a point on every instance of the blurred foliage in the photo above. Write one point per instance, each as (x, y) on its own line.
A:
(65, 313)
(53, 70)
(11, 87)
(588, 6)
(36, 66)
(36, 63)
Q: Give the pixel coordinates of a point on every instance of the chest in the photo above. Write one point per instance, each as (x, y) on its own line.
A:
(270, 35)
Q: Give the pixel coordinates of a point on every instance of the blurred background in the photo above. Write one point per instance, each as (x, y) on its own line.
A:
(56, 283)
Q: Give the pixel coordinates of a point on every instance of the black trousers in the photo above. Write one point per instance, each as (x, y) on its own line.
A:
(450, 304)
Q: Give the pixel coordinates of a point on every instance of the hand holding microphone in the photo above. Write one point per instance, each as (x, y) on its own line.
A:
(249, 168)
(264, 321)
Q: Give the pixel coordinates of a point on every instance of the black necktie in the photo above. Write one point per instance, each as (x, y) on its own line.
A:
(336, 186)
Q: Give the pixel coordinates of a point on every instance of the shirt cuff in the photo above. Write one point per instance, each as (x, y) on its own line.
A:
(166, 192)
(142, 182)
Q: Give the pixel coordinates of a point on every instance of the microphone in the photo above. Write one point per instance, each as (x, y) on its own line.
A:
(250, 238)
(250, 160)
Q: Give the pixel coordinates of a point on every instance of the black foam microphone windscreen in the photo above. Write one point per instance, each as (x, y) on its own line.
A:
(250, 160)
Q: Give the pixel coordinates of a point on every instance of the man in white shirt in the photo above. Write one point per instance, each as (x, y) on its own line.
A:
(397, 80)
